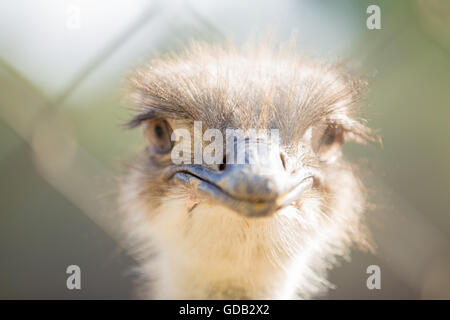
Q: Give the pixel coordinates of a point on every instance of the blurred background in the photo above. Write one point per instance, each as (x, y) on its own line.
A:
(62, 71)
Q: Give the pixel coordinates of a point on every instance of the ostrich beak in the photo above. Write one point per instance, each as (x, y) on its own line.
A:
(256, 188)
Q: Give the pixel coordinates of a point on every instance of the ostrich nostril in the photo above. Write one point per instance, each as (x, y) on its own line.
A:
(283, 160)
(223, 165)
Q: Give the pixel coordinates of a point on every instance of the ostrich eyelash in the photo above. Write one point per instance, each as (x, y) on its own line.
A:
(137, 120)
(355, 131)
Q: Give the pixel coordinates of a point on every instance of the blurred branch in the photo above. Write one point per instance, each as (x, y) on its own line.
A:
(208, 25)
(59, 159)
(406, 240)
(108, 50)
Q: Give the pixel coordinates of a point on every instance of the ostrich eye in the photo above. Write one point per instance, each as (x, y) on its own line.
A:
(331, 143)
(157, 134)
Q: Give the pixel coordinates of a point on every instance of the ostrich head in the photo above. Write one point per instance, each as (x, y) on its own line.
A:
(269, 226)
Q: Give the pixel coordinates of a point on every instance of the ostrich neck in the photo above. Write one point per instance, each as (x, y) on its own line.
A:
(185, 277)
(217, 255)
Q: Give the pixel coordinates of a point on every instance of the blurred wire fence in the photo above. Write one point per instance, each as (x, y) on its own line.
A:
(63, 153)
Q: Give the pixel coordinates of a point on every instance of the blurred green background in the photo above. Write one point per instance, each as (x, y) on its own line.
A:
(62, 71)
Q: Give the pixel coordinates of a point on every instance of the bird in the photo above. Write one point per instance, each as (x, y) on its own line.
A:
(265, 229)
